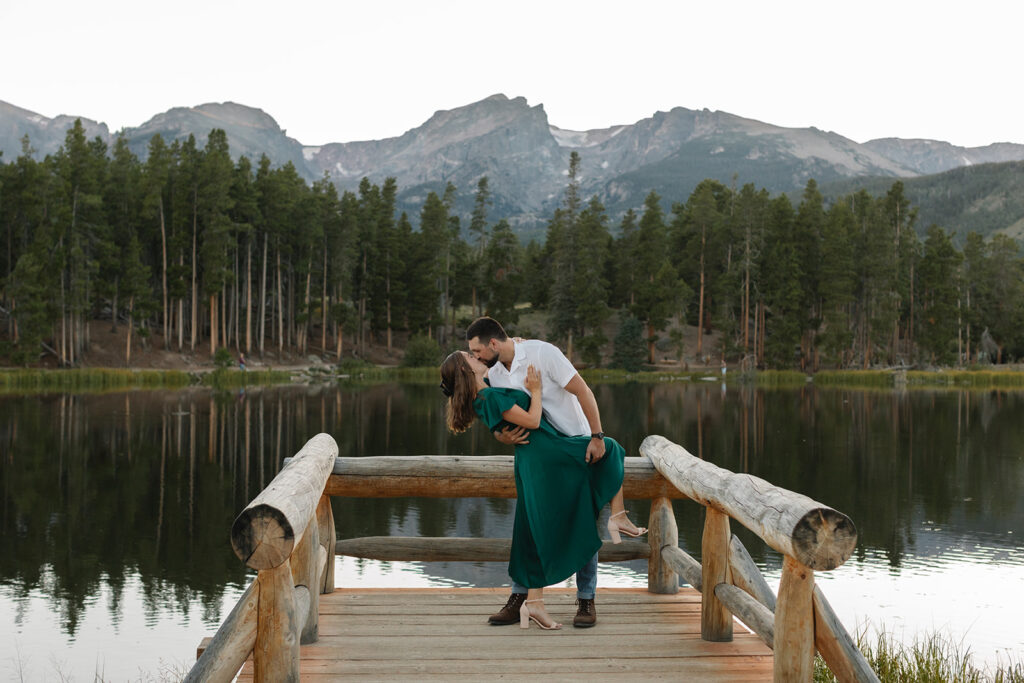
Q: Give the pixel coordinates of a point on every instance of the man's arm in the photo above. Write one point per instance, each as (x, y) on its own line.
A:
(580, 389)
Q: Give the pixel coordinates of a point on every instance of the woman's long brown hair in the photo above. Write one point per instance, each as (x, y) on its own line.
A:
(459, 383)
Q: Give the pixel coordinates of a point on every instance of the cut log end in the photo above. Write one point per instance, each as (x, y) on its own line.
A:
(824, 539)
(261, 537)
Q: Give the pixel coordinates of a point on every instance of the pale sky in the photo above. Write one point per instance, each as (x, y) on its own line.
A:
(342, 71)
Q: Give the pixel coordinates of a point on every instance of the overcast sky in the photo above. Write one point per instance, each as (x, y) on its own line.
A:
(341, 71)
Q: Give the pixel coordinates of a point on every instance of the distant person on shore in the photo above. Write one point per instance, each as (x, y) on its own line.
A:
(564, 463)
(241, 361)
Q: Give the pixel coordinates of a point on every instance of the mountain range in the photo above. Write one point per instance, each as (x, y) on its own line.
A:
(526, 157)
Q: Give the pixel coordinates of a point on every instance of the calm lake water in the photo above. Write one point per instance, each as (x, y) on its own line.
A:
(115, 559)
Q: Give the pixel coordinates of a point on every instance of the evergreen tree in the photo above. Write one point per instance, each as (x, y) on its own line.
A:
(536, 279)
(388, 291)
(836, 285)
(973, 284)
(245, 221)
(782, 277)
(213, 204)
(80, 169)
(32, 284)
(564, 259)
(625, 263)
(136, 288)
(629, 347)
(23, 208)
(155, 190)
(938, 286)
(426, 268)
(1004, 303)
(808, 236)
(701, 222)
(503, 274)
(123, 209)
(876, 278)
(478, 233)
(590, 288)
(751, 209)
(660, 293)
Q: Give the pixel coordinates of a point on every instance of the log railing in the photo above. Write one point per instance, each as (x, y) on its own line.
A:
(286, 533)
(271, 534)
(811, 537)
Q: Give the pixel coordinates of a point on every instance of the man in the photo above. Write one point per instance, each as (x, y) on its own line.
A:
(569, 405)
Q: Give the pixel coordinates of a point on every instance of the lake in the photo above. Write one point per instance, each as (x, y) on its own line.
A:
(115, 557)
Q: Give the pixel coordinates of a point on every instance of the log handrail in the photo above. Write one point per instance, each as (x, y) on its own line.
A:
(286, 533)
(811, 533)
(265, 532)
(808, 534)
(475, 476)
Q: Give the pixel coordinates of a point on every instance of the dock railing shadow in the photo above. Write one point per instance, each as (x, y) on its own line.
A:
(286, 532)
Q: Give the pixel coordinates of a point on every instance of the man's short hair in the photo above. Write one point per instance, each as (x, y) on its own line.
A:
(486, 329)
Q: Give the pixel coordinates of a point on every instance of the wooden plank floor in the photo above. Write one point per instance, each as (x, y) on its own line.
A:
(442, 634)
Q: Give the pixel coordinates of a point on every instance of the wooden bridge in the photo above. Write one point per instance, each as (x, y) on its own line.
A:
(293, 623)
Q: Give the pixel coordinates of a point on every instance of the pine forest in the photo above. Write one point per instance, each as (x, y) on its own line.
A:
(192, 251)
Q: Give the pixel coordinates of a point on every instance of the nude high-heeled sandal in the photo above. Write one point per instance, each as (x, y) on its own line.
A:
(525, 617)
(614, 529)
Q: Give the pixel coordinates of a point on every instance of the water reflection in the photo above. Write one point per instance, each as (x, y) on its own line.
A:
(122, 502)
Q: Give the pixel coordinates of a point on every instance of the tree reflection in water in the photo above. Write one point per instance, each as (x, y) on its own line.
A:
(140, 488)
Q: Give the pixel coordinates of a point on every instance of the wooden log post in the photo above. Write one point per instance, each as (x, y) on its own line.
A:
(327, 533)
(275, 654)
(794, 624)
(231, 645)
(264, 533)
(662, 533)
(715, 618)
(306, 569)
(837, 648)
(817, 536)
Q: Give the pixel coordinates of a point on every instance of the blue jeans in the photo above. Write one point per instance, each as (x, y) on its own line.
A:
(586, 581)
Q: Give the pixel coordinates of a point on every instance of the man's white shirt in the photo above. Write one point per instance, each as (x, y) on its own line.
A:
(561, 407)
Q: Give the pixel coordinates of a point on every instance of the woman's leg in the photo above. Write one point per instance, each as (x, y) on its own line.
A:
(535, 609)
(619, 519)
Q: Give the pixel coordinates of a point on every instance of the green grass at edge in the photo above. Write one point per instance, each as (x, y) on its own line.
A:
(932, 658)
(90, 379)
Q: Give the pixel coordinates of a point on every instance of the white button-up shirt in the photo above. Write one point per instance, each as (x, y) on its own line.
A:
(561, 408)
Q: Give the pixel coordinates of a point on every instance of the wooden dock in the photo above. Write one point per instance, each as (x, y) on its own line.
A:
(442, 634)
(287, 535)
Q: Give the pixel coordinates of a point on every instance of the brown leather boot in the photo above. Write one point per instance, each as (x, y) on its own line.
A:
(509, 614)
(586, 614)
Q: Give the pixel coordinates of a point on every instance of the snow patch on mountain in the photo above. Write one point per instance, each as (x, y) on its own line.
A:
(584, 138)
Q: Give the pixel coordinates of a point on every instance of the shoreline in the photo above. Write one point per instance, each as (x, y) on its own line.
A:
(15, 381)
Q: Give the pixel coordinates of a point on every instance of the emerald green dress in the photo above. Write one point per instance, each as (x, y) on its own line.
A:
(559, 495)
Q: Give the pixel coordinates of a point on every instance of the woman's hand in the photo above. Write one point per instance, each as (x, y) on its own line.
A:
(533, 380)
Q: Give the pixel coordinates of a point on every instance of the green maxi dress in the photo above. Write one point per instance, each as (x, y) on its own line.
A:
(560, 496)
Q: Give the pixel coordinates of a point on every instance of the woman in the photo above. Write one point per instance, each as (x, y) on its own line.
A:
(560, 496)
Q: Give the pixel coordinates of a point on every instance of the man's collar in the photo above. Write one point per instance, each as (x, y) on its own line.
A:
(518, 357)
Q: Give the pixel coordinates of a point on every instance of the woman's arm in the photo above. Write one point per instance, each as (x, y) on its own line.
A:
(531, 418)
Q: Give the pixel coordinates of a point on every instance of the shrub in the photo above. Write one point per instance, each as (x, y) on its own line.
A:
(421, 352)
(222, 358)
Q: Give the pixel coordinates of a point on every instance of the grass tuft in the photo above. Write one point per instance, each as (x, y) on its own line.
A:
(933, 658)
